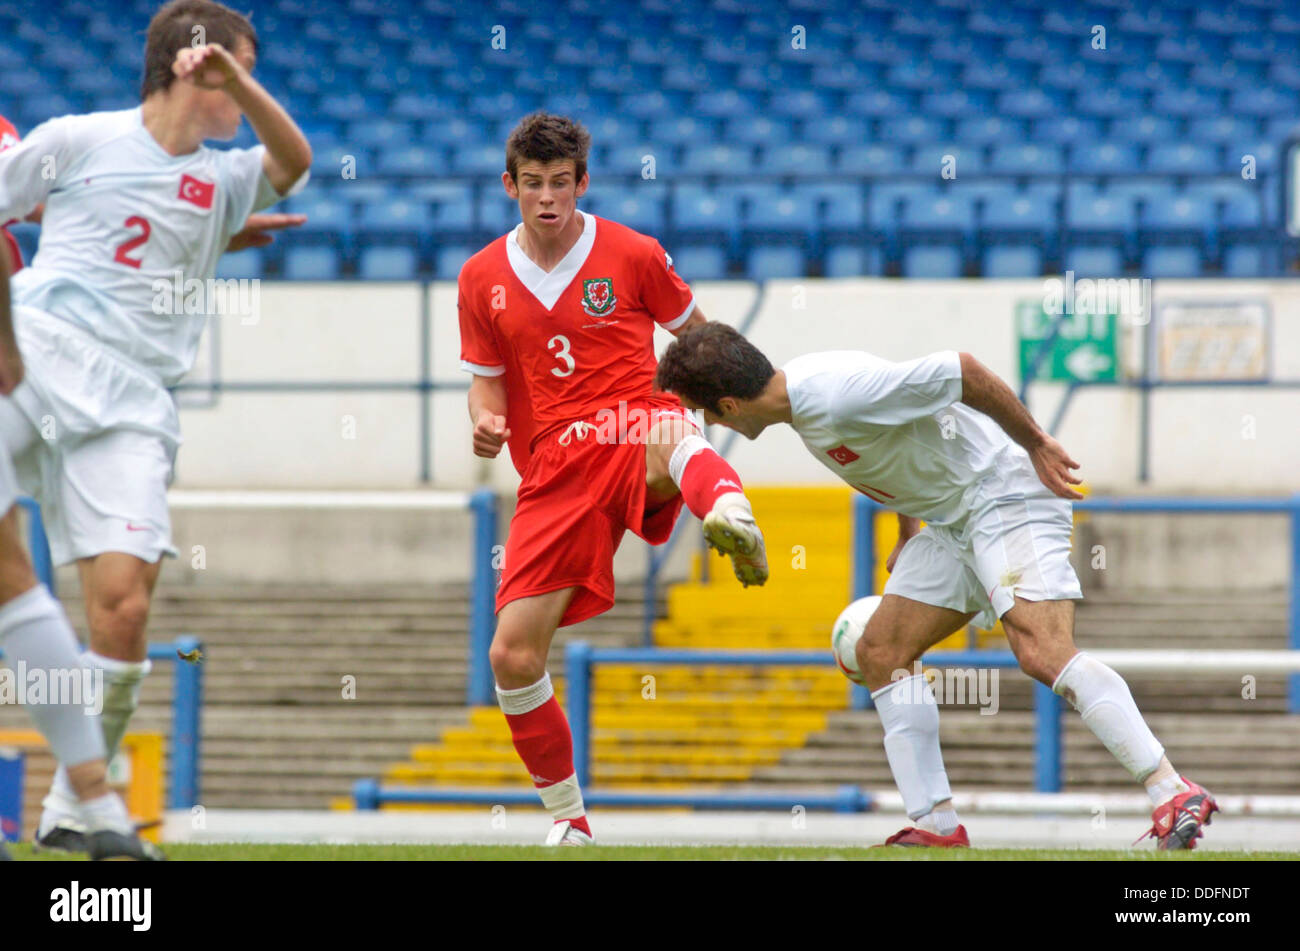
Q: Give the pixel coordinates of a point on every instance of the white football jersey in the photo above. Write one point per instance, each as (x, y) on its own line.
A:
(126, 226)
(899, 433)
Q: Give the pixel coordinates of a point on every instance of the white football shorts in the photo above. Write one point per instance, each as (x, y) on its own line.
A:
(93, 439)
(1011, 546)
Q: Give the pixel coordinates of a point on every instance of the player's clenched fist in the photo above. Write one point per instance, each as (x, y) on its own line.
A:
(490, 434)
(208, 67)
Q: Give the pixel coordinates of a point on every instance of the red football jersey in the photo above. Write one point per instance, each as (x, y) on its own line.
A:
(575, 340)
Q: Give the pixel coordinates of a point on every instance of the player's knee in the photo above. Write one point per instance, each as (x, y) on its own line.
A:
(515, 666)
(120, 613)
(878, 660)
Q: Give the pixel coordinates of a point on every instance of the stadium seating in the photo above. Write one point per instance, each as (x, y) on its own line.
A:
(1168, 116)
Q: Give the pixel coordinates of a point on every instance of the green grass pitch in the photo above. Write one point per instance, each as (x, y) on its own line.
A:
(622, 853)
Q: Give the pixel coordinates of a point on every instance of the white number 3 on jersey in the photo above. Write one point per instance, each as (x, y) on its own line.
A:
(563, 355)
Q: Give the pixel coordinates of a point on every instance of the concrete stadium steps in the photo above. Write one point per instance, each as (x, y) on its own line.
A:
(1225, 754)
(277, 732)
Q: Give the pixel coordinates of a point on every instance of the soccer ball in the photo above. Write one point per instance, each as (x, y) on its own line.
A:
(848, 631)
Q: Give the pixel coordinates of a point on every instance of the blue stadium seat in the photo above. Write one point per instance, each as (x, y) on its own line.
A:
(774, 261)
(932, 261)
(1065, 130)
(1183, 158)
(312, 264)
(702, 213)
(410, 160)
(853, 260)
(1027, 159)
(913, 128)
(636, 209)
(677, 130)
(1263, 101)
(381, 133)
(834, 130)
(870, 160)
(497, 213)
(943, 213)
(1089, 210)
(949, 161)
(1105, 158)
(1095, 260)
(249, 264)
(1171, 260)
(700, 262)
(990, 130)
(478, 159)
(1249, 260)
(449, 259)
(454, 217)
(1012, 260)
(388, 263)
(722, 159)
(396, 216)
(1143, 129)
(794, 159)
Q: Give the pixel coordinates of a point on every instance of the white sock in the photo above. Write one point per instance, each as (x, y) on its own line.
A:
(107, 812)
(910, 715)
(939, 821)
(121, 696)
(1103, 700)
(35, 631)
(563, 800)
(1163, 790)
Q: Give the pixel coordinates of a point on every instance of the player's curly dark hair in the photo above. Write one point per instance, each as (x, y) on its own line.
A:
(712, 361)
(174, 27)
(544, 137)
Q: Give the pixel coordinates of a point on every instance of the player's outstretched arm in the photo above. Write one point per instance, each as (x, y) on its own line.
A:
(487, 410)
(257, 229)
(11, 361)
(984, 390)
(288, 153)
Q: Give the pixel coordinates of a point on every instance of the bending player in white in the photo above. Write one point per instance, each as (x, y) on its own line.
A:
(945, 440)
(131, 199)
(36, 637)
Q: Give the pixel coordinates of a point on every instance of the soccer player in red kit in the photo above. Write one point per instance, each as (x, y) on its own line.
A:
(557, 326)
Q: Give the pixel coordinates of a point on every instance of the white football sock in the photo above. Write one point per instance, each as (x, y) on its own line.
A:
(910, 715)
(35, 631)
(940, 821)
(107, 812)
(1163, 790)
(1103, 700)
(563, 800)
(121, 696)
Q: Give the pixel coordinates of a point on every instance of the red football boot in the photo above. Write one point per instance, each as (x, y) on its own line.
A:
(914, 837)
(1179, 823)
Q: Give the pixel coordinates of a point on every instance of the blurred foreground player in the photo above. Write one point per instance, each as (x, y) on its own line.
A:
(943, 439)
(37, 639)
(135, 200)
(557, 326)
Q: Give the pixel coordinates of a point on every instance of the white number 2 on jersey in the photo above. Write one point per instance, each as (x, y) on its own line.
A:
(563, 355)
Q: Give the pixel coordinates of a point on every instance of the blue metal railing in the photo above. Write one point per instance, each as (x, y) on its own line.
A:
(187, 683)
(480, 687)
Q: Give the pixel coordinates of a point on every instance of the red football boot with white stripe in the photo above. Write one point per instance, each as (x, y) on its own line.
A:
(914, 837)
(1180, 822)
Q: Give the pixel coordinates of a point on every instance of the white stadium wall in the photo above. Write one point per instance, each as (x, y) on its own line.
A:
(1231, 441)
(371, 332)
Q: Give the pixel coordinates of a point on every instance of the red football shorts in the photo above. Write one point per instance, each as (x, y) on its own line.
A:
(584, 486)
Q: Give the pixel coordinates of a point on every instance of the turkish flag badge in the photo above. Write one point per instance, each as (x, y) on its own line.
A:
(196, 192)
(843, 454)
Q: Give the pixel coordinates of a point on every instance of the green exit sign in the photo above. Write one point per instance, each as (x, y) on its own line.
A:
(1085, 349)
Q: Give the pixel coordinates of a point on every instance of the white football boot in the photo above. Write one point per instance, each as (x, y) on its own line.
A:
(563, 833)
(730, 529)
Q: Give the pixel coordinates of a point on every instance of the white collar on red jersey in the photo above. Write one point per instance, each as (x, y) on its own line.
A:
(547, 286)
